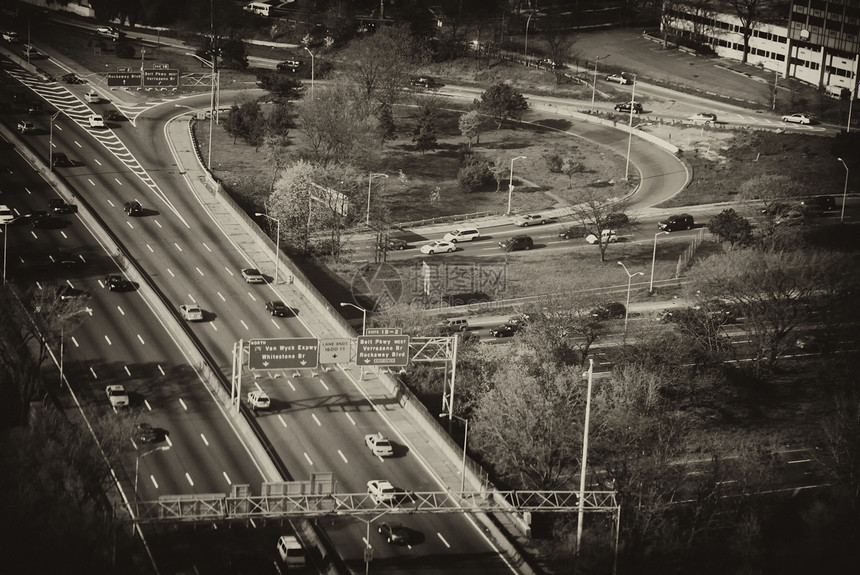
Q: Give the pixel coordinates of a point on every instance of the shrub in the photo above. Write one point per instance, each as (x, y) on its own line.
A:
(475, 174)
(125, 51)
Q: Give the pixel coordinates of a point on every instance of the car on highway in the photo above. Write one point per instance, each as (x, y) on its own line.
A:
(191, 312)
(396, 244)
(65, 292)
(96, 121)
(606, 237)
(517, 243)
(618, 79)
(289, 65)
(10, 36)
(819, 204)
(278, 308)
(145, 433)
(423, 82)
(26, 127)
(797, 118)
(72, 78)
(253, 276)
(6, 214)
(92, 97)
(676, 222)
(61, 160)
(439, 246)
(259, 399)
(113, 116)
(703, 118)
(570, 232)
(394, 533)
(453, 324)
(116, 282)
(117, 396)
(616, 220)
(381, 491)
(291, 552)
(610, 310)
(521, 319)
(462, 235)
(531, 220)
(379, 444)
(43, 219)
(133, 208)
(59, 206)
(505, 330)
(625, 107)
(111, 32)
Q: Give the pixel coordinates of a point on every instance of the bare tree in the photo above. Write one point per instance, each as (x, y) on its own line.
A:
(668, 15)
(749, 12)
(592, 210)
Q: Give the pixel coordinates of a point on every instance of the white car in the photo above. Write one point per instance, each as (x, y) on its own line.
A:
(619, 78)
(531, 220)
(6, 215)
(438, 246)
(462, 235)
(379, 445)
(253, 276)
(703, 118)
(258, 399)
(381, 491)
(96, 121)
(191, 312)
(797, 119)
(608, 237)
(92, 97)
(117, 396)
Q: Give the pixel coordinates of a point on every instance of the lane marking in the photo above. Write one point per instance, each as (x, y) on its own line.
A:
(96, 160)
(148, 406)
(199, 270)
(127, 372)
(443, 540)
(221, 296)
(314, 416)
(141, 339)
(161, 369)
(308, 458)
(75, 341)
(107, 339)
(349, 417)
(227, 477)
(92, 183)
(167, 439)
(177, 246)
(149, 247)
(205, 441)
(171, 273)
(154, 482)
(207, 247)
(245, 325)
(182, 403)
(117, 181)
(323, 384)
(188, 477)
(342, 456)
(281, 419)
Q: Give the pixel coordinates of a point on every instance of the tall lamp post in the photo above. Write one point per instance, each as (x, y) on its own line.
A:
(629, 281)
(277, 242)
(369, 182)
(594, 82)
(5, 235)
(363, 314)
(465, 443)
(844, 191)
(526, 46)
(630, 138)
(63, 340)
(312, 70)
(137, 466)
(511, 183)
(653, 261)
(584, 462)
(51, 141)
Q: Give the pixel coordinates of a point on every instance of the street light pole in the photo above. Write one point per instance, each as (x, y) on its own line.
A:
(465, 444)
(369, 181)
(51, 142)
(5, 236)
(277, 243)
(630, 138)
(526, 47)
(594, 82)
(584, 462)
(629, 281)
(653, 261)
(511, 183)
(312, 71)
(137, 466)
(844, 191)
(363, 314)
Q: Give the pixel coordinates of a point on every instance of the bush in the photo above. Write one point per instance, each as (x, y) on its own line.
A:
(125, 51)
(475, 174)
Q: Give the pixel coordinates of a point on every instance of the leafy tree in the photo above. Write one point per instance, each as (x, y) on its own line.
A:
(731, 227)
(475, 174)
(283, 86)
(387, 128)
(246, 121)
(233, 54)
(424, 133)
(502, 102)
(470, 126)
(524, 426)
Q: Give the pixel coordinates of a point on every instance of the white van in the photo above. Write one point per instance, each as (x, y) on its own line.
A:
(462, 235)
(259, 8)
(291, 552)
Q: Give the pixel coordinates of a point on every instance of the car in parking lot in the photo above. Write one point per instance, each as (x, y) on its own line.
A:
(505, 330)
(96, 121)
(462, 235)
(191, 312)
(278, 308)
(381, 491)
(676, 222)
(625, 107)
(439, 246)
(703, 118)
(253, 276)
(394, 533)
(133, 208)
(618, 79)
(606, 237)
(517, 243)
(797, 118)
(145, 433)
(26, 127)
(117, 396)
(116, 282)
(531, 220)
(379, 444)
(259, 399)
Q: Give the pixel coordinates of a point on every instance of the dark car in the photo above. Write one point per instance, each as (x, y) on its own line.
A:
(676, 222)
(68, 292)
(58, 206)
(116, 282)
(42, 219)
(616, 220)
(72, 78)
(625, 107)
(289, 65)
(517, 243)
(394, 533)
(504, 330)
(145, 433)
(113, 116)
(60, 160)
(423, 82)
(133, 208)
(570, 232)
(819, 204)
(396, 244)
(611, 310)
(278, 308)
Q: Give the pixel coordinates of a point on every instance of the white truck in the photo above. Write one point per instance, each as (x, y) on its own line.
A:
(258, 8)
